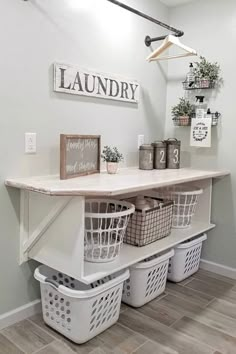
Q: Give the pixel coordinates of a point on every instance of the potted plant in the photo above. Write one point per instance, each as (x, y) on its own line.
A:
(182, 112)
(112, 157)
(206, 73)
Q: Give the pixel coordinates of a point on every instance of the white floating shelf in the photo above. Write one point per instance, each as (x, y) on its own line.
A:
(131, 254)
(52, 216)
(102, 184)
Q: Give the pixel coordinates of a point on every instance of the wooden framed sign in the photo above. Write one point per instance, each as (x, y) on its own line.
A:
(78, 81)
(79, 155)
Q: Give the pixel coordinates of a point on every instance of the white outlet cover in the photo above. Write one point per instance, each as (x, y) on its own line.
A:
(30, 143)
(140, 140)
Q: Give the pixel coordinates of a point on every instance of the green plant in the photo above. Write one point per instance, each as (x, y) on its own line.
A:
(111, 154)
(206, 70)
(183, 108)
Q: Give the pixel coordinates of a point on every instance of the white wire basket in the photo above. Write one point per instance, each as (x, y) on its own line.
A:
(105, 225)
(185, 200)
(186, 260)
(147, 280)
(76, 310)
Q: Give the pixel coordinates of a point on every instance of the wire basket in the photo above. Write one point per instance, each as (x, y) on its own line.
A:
(105, 224)
(214, 118)
(185, 201)
(187, 121)
(198, 84)
(147, 226)
(147, 279)
(186, 260)
(76, 310)
(182, 121)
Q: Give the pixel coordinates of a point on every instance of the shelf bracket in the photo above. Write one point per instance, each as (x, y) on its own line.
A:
(27, 239)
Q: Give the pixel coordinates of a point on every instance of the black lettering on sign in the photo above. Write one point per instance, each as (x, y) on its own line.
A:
(77, 81)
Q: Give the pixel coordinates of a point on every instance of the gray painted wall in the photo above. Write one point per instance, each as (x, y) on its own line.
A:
(93, 34)
(210, 28)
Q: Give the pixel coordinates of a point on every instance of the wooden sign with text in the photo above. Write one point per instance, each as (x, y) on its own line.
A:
(78, 81)
(79, 155)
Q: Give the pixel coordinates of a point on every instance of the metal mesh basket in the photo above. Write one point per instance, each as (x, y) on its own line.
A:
(185, 201)
(199, 84)
(182, 121)
(105, 224)
(147, 226)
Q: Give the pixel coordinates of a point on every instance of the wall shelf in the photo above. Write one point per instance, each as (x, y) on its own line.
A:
(131, 254)
(52, 216)
(125, 181)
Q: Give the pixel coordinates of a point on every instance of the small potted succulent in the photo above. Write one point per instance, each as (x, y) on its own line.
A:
(112, 157)
(182, 112)
(206, 73)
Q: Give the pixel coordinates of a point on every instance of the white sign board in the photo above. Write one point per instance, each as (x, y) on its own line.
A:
(201, 132)
(78, 81)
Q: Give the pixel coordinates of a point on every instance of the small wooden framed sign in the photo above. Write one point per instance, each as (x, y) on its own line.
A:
(79, 155)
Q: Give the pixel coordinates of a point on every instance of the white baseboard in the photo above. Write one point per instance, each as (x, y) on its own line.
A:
(218, 269)
(19, 314)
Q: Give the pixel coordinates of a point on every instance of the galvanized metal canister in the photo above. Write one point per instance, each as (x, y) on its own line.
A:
(159, 155)
(146, 154)
(173, 153)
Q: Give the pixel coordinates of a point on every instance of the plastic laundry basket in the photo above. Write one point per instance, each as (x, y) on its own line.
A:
(147, 280)
(185, 200)
(105, 224)
(76, 310)
(186, 260)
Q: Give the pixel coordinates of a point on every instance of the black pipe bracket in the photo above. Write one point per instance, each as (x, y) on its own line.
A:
(148, 39)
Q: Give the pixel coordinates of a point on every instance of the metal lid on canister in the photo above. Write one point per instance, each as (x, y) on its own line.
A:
(146, 147)
(173, 141)
(161, 144)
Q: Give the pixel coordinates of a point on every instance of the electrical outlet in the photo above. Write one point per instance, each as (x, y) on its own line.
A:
(140, 140)
(30, 143)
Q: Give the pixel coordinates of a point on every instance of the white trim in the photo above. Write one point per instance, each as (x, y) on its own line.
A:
(20, 313)
(218, 268)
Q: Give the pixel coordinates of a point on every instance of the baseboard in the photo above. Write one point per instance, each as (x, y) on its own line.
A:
(19, 314)
(218, 268)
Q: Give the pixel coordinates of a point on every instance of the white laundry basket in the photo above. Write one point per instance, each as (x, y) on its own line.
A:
(76, 310)
(147, 280)
(185, 200)
(105, 225)
(186, 260)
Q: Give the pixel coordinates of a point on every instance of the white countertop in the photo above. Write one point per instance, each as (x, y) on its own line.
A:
(125, 181)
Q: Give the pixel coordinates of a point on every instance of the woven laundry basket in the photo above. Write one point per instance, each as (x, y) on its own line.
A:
(185, 200)
(105, 224)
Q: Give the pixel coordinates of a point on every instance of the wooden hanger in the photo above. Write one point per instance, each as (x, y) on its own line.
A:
(168, 42)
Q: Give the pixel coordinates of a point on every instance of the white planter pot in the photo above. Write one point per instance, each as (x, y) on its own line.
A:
(112, 167)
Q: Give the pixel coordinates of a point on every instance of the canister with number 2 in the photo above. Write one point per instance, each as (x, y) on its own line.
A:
(173, 153)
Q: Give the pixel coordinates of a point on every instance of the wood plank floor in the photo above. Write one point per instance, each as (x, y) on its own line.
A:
(197, 316)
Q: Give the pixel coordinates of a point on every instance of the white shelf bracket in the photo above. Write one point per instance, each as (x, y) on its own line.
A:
(27, 239)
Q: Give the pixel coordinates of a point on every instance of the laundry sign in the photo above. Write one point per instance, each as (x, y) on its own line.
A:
(201, 132)
(77, 81)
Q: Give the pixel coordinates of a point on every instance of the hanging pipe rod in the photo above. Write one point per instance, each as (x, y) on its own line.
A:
(149, 40)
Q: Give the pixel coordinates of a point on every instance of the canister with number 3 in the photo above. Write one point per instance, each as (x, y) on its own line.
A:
(173, 153)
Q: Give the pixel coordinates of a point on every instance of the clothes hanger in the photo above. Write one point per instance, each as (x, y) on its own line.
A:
(169, 41)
